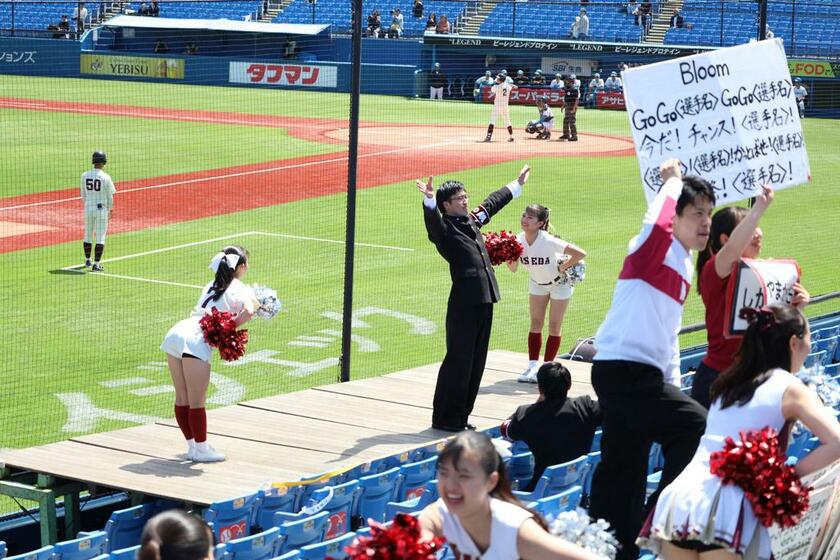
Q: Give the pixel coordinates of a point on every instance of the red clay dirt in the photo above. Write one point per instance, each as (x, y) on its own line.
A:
(388, 154)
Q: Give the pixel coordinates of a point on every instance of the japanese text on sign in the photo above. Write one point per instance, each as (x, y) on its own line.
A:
(758, 283)
(729, 116)
(18, 57)
(283, 74)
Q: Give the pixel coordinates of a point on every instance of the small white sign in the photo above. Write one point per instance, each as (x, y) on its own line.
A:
(729, 116)
(297, 75)
(553, 65)
(758, 283)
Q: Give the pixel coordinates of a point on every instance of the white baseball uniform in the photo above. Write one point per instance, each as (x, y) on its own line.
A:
(540, 260)
(97, 190)
(801, 93)
(501, 102)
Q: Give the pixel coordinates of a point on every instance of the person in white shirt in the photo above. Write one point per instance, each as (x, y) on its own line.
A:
(478, 514)
(583, 25)
(613, 83)
(397, 20)
(635, 372)
(801, 93)
(546, 258)
(97, 190)
(557, 82)
(596, 84)
(80, 14)
(501, 108)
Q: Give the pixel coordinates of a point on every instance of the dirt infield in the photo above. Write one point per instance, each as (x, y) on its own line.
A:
(54, 217)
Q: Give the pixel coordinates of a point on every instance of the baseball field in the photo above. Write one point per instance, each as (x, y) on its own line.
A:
(197, 168)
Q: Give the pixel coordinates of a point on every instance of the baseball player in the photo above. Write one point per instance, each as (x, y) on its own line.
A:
(501, 98)
(571, 98)
(98, 198)
(801, 93)
(542, 126)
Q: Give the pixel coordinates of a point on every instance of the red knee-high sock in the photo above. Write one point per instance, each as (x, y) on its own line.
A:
(198, 423)
(552, 345)
(534, 345)
(510, 130)
(182, 416)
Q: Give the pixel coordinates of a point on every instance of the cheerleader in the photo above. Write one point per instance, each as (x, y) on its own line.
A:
(189, 354)
(541, 257)
(478, 514)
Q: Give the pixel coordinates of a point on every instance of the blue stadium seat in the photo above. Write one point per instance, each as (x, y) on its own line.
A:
(311, 487)
(832, 370)
(557, 478)
(376, 491)
(301, 530)
(274, 500)
(429, 495)
(655, 458)
(291, 555)
(340, 503)
(232, 518)
(816, 358)
(89, 546)
(520, 469)
(551, 506)
(333, 549)
(2, 550)
(45, 553)
(652, 483)
(593, 459)
(129, 553)
(596, 440)
(519, 447)
(125, 526)
(413, 478)
(262, 546)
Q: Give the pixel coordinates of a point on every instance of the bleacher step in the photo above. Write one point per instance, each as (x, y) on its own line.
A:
(472, 24)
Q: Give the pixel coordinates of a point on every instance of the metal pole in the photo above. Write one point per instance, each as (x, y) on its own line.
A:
(762, 20)
(352, 161)
(513, 28)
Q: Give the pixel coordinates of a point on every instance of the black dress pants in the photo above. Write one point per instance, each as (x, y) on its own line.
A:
(467, 339)
(639, 408)
(702, 385)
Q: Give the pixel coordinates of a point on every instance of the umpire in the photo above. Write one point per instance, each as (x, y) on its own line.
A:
(571, 99)
(469, 314)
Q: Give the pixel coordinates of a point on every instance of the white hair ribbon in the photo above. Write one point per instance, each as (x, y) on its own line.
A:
(231, 259)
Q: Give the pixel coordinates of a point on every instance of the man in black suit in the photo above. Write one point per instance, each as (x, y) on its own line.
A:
(469, 314)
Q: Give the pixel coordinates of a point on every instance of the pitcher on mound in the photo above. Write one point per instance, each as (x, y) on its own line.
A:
(501, 98)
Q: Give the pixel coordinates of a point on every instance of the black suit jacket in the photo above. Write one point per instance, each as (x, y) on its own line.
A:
(459, 241)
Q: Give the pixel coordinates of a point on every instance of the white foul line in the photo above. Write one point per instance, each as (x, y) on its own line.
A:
(239, 174)
(139, 279)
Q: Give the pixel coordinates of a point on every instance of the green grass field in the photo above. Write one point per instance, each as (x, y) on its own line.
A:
(82, 351)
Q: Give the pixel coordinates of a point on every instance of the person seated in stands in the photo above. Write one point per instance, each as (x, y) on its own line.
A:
(643, 17)
(160, 47)
(143, 10)
(484, 81)
(397, 22)
(374, 23)
(190, 48)
(583, 25)
(596, 84)
(80, 15)
(442, 26)
(538, 80)
(431, 23)
(630, 7)
(556, 428)
(417, 9)
(290, 49)
(154, 9)
(557, 82)
(63, 28)
(677, 20)
(521, 80)
(613, 83)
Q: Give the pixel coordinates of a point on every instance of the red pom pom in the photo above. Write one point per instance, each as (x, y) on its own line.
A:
(502, 247)
(756, 464)
(219, 328)
(400, 541)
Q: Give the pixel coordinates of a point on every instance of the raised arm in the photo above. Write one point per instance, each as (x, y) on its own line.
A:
(498, 199)
(743, 233)
(431, 214)
(801, 403)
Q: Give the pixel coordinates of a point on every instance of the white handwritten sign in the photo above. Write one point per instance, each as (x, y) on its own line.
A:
(729, 116)
(758, 283)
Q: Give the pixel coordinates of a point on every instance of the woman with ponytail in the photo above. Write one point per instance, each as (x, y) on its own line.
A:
(734, 234)
(189, 354)
(176, 535)
(699, 517)
(478, 515)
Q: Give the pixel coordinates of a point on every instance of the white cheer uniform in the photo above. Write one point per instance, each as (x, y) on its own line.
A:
(507, 518)
(186, 337)
(97, 190)
(501, 101)
(540, 260)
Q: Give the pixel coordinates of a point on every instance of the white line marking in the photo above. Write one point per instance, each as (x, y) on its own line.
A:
(125, 382)
(153, 368)
(156, 390)
(307, 344)
(304, 238)
(149, 280)
(317, 338)
(240, 174)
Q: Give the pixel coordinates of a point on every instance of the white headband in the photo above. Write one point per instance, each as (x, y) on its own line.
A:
(231, 259)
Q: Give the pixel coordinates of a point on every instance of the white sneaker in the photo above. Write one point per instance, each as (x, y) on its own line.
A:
(529, 375)
(207, 455)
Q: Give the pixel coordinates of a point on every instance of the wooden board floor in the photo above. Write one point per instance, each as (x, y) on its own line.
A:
(284, 437)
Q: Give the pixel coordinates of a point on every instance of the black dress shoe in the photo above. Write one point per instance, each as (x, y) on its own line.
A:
(469, 426)
(444, 428)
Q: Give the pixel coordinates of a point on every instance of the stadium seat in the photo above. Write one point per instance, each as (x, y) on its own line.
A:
(2, 550)
(655, 458)
(520, 469)
(429, 495)
(551, 506)
(291, 555)
(129, 553)
(272, 501)
(816, 358)
(125, 526)
(593, 459)
(832, 370)
(301, 531)
(333, 549)
(519, 447)
(340, 503)
(231, 518)
(45, 553)
(83, 548)
(375, 492)
(652, 483)
(596, 441)
(309, 487)
(557, 478)
(262, 546)
(413, 478)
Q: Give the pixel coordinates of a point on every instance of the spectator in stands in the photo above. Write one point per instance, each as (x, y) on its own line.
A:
(437, 81)
(508, 79)
(485, 81)
(442, 26)
(417, 9)
(143, 10)
(290, 49)
(643, 17)
(557, 82)
(63, 28)
(374, 23)
(538, 80)
(521, 79)
(556, 428)
(397, 22)
(190, 48)
(431, 23)
(154, 9)
(175, 535)
(583, 25)
(613, 83)
(160, 47)
(630, 8)
(596, 84)
(768, 33)
(80, 15)
(677, 20)
(575, 81)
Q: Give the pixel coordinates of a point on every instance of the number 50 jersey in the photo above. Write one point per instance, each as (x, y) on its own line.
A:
(97, 189)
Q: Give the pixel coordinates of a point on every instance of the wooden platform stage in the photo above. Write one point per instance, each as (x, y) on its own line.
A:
(282, 438)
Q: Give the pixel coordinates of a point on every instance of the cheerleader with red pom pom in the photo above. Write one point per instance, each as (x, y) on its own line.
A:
(720, 505)
(225, 303)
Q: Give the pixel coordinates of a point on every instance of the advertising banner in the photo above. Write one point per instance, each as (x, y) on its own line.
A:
(528, 96)
(610, 100)
(811, 68)
(580, 66)
(299, 75)
(132, 66)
